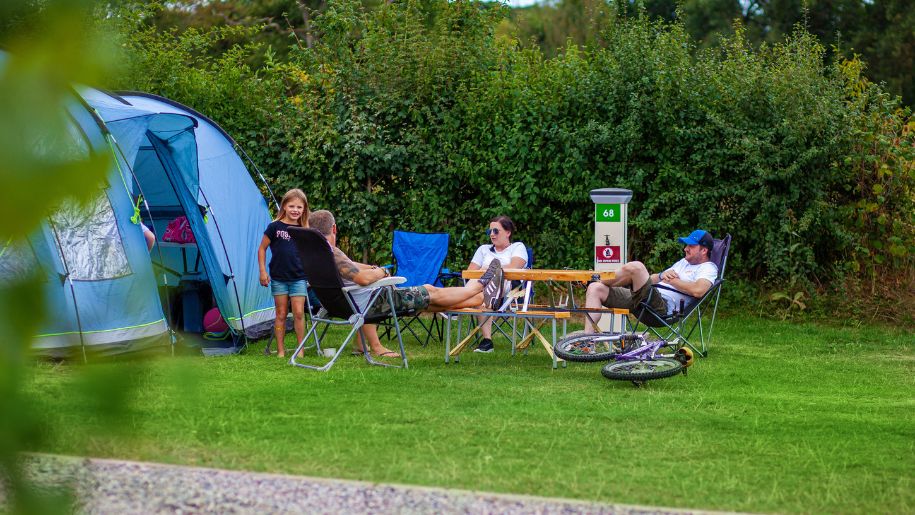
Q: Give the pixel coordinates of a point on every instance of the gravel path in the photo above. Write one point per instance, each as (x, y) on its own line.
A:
(125, 487)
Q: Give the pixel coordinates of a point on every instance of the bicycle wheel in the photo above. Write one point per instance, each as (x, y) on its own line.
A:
(641, 370)
(587, 347)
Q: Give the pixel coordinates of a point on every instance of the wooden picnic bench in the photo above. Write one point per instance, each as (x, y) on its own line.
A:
(530, 312)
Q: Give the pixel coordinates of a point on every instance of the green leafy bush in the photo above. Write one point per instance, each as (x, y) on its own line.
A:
(419, 115)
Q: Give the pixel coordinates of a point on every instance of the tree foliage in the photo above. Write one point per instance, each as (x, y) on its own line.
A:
(423, 115)
(881, 31)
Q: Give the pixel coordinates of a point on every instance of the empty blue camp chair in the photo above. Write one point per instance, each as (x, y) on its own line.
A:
(419, 257)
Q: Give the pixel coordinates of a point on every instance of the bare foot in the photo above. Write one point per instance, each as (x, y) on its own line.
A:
(387, 354)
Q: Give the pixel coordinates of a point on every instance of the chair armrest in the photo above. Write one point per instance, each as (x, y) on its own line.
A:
(671, 288)
(387, 281)
(445, 276)
(448, 274)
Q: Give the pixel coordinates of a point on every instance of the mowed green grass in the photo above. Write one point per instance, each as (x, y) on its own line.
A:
(780, 417)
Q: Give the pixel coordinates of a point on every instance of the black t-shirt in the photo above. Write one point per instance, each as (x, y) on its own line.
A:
(285, 264)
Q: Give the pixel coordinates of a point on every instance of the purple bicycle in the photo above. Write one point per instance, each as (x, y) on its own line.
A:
(632, 357)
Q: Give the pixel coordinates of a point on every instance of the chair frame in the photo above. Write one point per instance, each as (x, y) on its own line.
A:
(682, 323)
(317, 261)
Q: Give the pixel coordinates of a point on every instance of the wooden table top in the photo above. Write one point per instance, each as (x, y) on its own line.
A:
(535, 274)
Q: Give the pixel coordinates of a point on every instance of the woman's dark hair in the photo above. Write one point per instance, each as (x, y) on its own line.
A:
(506, 223)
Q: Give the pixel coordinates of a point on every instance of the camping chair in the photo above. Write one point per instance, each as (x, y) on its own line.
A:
(688, 317)
(419, 258)
(336, 300)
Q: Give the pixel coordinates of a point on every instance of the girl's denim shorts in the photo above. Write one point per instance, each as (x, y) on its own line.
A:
(290, 288)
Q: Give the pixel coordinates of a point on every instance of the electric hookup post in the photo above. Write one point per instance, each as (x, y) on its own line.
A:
(610, 236)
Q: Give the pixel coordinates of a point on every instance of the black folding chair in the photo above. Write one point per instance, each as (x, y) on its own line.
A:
(688, 316)
(337, 301)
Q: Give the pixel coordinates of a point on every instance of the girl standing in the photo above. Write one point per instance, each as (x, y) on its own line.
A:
(287, 276)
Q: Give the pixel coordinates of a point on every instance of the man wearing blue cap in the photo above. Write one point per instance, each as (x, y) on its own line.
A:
(693, 276)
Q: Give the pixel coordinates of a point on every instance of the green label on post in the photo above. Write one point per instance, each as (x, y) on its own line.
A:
(607, 213)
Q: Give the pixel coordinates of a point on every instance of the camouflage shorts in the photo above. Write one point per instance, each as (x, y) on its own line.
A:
(407, 302)
(622, 297)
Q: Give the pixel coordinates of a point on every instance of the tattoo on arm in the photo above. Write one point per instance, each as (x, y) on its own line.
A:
(345, 266)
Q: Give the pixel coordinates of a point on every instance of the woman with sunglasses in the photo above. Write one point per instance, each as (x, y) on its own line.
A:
(511, 255)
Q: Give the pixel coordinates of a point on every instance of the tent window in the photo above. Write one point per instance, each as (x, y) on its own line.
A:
(16, 261)
(89, 242)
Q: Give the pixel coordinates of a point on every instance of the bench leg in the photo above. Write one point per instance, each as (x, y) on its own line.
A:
(466, 341)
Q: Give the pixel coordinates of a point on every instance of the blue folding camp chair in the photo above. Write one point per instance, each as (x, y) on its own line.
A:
(419, 257)
(689, 316)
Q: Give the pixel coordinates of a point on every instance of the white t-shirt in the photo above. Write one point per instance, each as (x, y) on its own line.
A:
(360, 297)
(486, 253)
(688, 273)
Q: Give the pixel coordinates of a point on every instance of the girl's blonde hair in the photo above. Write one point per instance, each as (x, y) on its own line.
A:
(294, 194)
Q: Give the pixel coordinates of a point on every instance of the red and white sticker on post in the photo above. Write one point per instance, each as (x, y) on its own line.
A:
(607, 254)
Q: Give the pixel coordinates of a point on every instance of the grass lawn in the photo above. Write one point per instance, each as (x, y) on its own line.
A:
(780, 417)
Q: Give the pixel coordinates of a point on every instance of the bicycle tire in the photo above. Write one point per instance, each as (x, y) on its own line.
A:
(579, 346)
(641, 370)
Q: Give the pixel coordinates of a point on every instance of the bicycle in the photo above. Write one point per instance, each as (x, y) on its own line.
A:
(632, 357)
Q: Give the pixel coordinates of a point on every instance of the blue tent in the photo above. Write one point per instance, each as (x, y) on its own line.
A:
(183, 165)
(92, 260)
(105, 290)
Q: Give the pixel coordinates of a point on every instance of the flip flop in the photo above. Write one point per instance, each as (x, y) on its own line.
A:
(389, 354)
(357, 353)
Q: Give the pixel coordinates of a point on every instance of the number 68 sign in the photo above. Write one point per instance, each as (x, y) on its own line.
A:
(606, 212)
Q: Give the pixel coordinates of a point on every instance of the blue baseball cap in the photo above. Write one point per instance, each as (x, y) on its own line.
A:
(699, 237)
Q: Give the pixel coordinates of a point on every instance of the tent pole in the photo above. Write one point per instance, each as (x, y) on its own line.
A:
(69, 278)
(259, 174)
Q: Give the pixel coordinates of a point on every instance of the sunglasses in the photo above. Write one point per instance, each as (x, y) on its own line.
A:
(492, 231)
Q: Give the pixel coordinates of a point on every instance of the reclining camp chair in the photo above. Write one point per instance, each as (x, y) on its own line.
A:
(688, 317)
(337, 304)
(419, 258)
